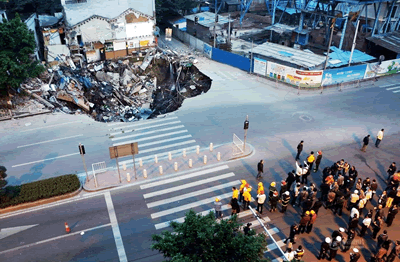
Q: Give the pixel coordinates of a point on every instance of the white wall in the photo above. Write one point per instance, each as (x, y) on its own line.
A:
(30, 23)
(139, 29)
(95, 30)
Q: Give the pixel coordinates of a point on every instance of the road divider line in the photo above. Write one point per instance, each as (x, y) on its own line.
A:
(151, 137)
(164, 141)
(189, 206)
(185, 186)
(50, 126)
(147, 133)
(182, 219)
(48, 141)
(191, 175)
(47, 159)
(54, 238)
(141, 123)
(115, 228)
(192, 194)
(143, 128)
(397, 87)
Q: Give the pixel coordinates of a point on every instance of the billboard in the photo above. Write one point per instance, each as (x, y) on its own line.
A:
(385, 68)
(260, 66)
(207, 50)
(294, 76)
(341, 75)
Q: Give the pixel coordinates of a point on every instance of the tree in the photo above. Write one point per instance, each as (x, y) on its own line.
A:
(183, 6)
(3, 175)
(17, 45)
(201, 238)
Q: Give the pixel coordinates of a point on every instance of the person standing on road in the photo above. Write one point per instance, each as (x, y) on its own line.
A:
(365, 145)
(272, 190)
(217, 207)
(354, 257)
(350, 237)
(299, 253)
(391, 170)
(353, 224)
(325, 247)
(374, 187)
(285, 201)
(310, 163)
(260, 168)
(294, 230)
(283, 188)
(318, 160)
(234, 201)
(382, 238)
(299, 149)
(290, 179)
(304, 222)
(376, 227)
(260, 201)
(394, 252)
(246, 198)
(365, 225)
(241, 188)
(379, 137)
(274, 201)
(317, 205)
(334, 247)
(313, 218)
(260, 187)
(296, 193)
(391, 215)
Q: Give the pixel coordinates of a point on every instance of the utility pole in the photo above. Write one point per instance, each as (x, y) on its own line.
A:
(229, 28)
(330, 42)
(354, 42)
(82, 152)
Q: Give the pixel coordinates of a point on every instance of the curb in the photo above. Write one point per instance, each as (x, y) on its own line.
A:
(26, 115)
(171, 175)
(40, 202)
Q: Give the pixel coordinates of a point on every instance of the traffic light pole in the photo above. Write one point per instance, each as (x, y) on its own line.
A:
(246, 127)
(82, 152)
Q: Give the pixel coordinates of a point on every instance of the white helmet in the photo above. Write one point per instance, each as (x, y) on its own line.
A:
(328, 240)
(339, 238)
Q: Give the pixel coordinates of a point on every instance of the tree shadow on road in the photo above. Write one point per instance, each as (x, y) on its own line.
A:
(289, 147)
(358, 141)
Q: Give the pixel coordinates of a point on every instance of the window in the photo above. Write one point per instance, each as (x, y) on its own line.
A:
(393, 14)
(69, 2)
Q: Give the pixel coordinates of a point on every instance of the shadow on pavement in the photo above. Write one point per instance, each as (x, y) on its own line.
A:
(289, 147)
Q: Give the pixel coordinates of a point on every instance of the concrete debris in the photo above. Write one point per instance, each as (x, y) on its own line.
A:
(123, 90)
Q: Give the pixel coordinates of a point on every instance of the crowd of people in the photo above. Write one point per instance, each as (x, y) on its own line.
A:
(341, 189)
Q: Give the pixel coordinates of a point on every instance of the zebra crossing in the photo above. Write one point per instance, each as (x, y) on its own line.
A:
(155, 137)
(394, 88)
(170, 199)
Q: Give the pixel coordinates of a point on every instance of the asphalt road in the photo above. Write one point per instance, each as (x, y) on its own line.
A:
(279, 118)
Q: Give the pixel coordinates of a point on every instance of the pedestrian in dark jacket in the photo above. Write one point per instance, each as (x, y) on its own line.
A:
(260, 168)
(353, 173)
(383, 199)
(376, 227)
(374, 187)
(285, 201)
(317, 205)
(365, 145)
(382, 238)
(304, 222)
(284, 188)
(366, 183)
(353, 222)
(350, 237)
(354, 257)
(391, 215)
(334, 247)
(338, 232)
(274, 201)
(313, 218)
(325, 247)
(290, 179)
(394, 252)
(324, 191)
(299, 149)
(307, 205)
(338, 208)
(294, 230)
(391, 170)
(318, 160)
(379, 212)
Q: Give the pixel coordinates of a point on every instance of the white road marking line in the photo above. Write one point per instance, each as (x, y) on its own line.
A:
(54, 238)
(48, 141)
(182, 219)
(6, 232)
(33, 162)
(192, 194)
(397, 87)
(197, 183)
(387, 85)
(50, 126)
(164, 141)
(195, 174)
(256, 223)
(143, 128)
(272, 246)
(151, 137)
(145, 122)
(241, 214)
(147, 133)
(115, 228)
(189, 206)
(151, 157)
(165, 147)
(396, 91)
(282, 258)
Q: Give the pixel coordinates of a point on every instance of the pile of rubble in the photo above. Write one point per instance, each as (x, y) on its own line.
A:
(123, 90)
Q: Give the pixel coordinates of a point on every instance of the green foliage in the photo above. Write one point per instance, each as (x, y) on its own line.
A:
(17, 44)
(30, 192)
(201, 238)
(168, 8)
(3, 176)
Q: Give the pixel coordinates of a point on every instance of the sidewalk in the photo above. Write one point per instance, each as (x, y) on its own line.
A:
(110, 178)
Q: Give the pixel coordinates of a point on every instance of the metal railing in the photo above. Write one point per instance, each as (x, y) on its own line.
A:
(98, 168)
(237, 145)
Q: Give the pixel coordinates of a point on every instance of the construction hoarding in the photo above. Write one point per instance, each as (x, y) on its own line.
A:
(384, 69)
(342, 75)
(294, 76)
(260, 66)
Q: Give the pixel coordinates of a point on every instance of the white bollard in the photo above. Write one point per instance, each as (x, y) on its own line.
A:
(169, 156)
(128, 177)
(144, 173)
(124, 166)
(184, 152)
(211, 147)
(190, 163)
(155, 159)
(205, 159)
(140, 162)
(198, 149)
(219, 156)
(161, 171)
(176, 166)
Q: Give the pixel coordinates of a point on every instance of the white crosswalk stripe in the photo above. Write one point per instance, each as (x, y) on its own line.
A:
(154, 137)
(392, 88)
(169, 199)
(121, 124)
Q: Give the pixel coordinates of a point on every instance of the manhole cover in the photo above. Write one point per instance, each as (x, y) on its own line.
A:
(303, 116)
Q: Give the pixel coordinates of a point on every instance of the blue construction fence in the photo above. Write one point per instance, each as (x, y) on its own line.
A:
(231, 59)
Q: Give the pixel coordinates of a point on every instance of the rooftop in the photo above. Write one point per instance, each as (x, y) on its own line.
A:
(390, 41)
(339, 57)
(79, 11)
(207, 19)
(301, 58)
(281, 28)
